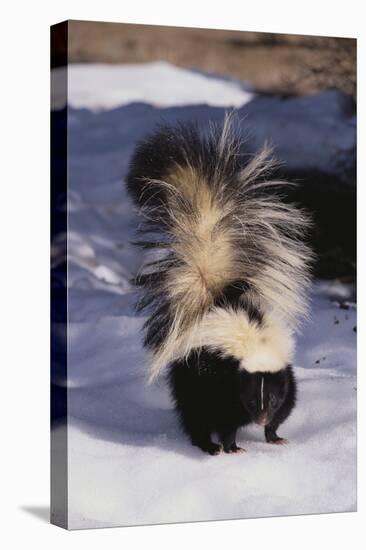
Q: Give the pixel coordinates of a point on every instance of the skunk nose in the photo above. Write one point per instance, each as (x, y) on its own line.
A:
(262, 419)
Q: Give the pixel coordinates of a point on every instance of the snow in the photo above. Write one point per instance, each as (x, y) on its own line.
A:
(101, 86)
(128, 461)
(130, 464)
(309, 133)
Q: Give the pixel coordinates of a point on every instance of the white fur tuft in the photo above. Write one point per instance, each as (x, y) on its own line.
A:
(266, 347)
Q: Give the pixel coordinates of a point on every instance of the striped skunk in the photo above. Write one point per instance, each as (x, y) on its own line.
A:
(225, 282)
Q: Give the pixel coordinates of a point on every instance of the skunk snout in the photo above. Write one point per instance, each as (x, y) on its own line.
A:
(262, 419)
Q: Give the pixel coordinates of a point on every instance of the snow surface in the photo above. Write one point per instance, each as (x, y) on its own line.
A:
(129, 463)
(100, 86)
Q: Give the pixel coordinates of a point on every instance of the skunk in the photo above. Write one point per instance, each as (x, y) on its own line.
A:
(225, 281)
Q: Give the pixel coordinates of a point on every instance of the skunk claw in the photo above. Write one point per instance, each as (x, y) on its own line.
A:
(235, 449)
(279, 441)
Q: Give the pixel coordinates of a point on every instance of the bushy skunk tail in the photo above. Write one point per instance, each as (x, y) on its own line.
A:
(229, 261)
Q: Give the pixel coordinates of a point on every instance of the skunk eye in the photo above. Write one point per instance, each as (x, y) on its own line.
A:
(273, 400)
(253, 403)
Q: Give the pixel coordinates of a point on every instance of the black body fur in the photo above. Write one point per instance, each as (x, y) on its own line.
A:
(212, 395)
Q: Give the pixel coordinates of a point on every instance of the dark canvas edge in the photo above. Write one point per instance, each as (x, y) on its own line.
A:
(59, 148)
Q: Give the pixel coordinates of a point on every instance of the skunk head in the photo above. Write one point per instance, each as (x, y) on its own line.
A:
(263, 393)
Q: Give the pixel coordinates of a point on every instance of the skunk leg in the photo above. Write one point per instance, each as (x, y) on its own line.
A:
(228, 439)
(271, 435)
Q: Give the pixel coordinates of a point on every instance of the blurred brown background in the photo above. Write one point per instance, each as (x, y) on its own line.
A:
(271, 63)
